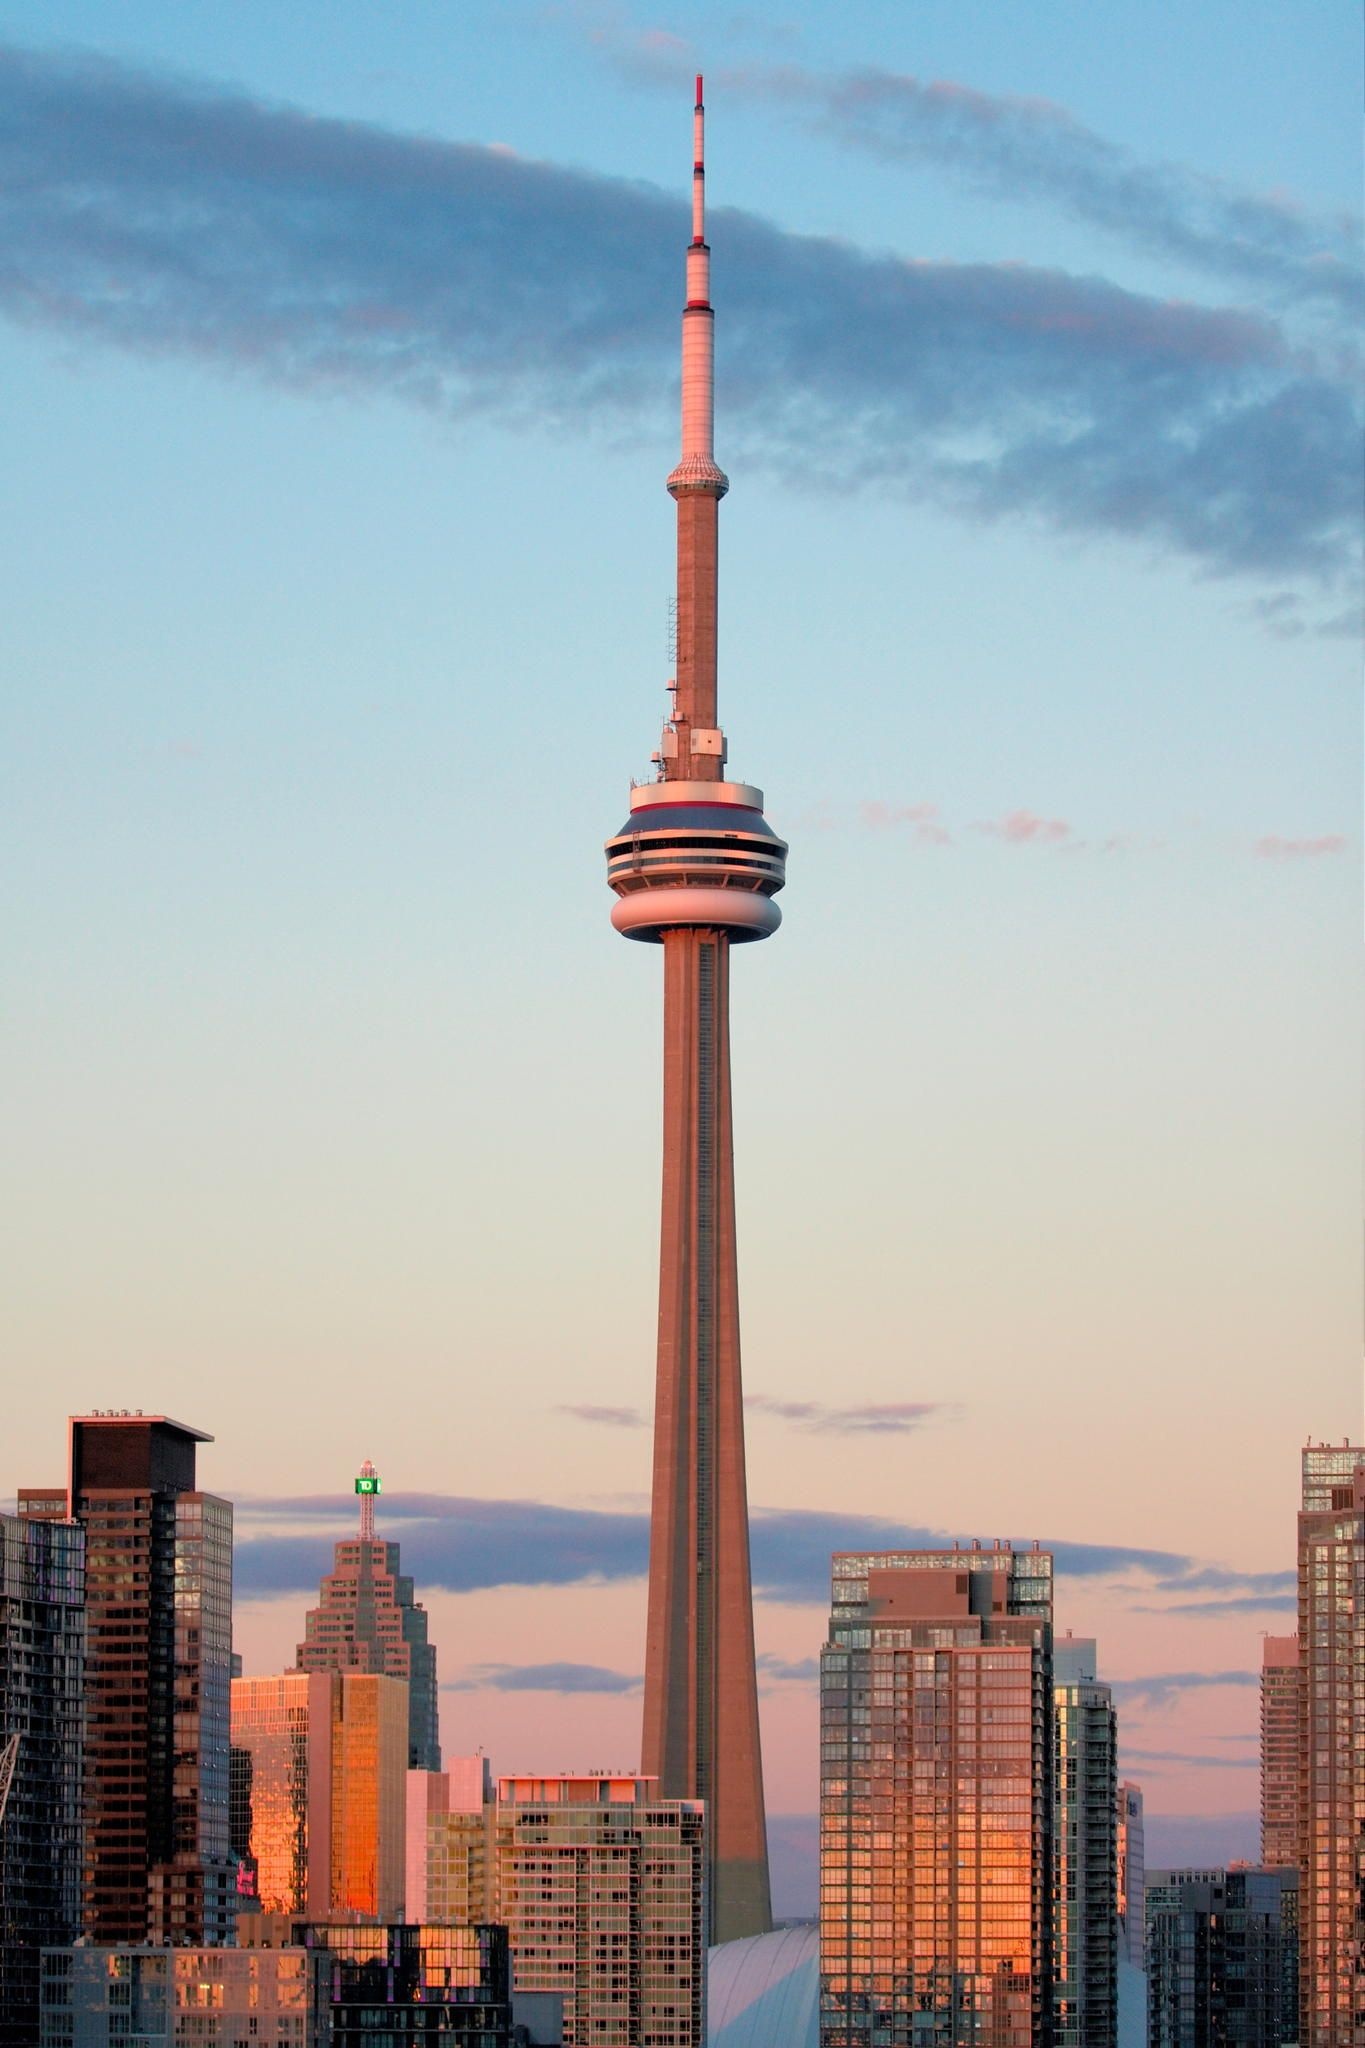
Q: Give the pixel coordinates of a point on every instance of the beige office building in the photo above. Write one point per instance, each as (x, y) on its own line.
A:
(450, 1869)
(600, 1885)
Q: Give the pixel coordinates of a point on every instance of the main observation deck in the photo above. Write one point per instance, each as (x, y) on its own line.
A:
(696, 854)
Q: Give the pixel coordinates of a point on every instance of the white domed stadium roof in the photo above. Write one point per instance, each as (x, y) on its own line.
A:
(764, 1992)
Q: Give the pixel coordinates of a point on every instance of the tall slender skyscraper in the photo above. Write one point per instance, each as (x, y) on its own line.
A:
(42, 1707)
(1280, 1752)
(695, 868)
(1331, 1729)
(1085, 1858)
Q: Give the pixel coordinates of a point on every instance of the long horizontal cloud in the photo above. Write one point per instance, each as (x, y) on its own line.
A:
(459, 1544)
(1190, 1760)
(542, 1678)
(866, 1418)
(329, 254)
(1230, 1603)
(1273, 847)
(604, 1416)
(1222, 1578)
(1159, 1686)
(1033, 150)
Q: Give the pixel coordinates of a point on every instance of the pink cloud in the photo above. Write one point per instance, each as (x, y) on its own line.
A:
(1026, 828)
(1272, 847)
(926, 825)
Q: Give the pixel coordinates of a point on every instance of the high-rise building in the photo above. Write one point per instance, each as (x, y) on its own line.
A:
(450, 1862)
(163, 1998)
(1132, 1874)
(695, 868)
(1332, 1743)
(42, 1700)
(325, 1758)
(1280, 1752)
(600, 1884)
(1085, 1854)
(158, 1864)
(936, 1804)
(1222, 1958)
(368, 1620)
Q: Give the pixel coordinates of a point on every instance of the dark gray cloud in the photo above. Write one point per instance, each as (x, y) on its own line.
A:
(1230, 1603)
(607, 1417)
(1224, 1578)
(1160, 1686)
(1031, 150)
(786, 1670)
(459, 1544)
(451, 1542)
(866, 1418)
(542, 1678)
(331, 255)
(1202, 1760)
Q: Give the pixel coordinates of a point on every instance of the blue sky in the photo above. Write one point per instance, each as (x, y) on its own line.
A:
(337, 390)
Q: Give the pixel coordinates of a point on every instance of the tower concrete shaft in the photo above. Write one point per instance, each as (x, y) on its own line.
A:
(701, 1737)
(695, 868)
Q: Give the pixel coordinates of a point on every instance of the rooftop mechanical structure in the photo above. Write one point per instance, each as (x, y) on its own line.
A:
(695, 868)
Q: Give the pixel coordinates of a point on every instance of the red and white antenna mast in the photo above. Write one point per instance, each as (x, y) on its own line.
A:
(367, 1485)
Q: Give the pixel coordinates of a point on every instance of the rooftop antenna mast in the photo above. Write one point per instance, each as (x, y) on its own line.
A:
(367, 1485)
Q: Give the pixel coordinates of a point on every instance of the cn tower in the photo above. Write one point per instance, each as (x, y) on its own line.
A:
(695, 869)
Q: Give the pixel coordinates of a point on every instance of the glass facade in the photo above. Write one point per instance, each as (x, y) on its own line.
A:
(1222, 1959)
(324, 1755)
(193, 1892)
(369, 1774)
(42, 1701)
(1132, 1874)
(936, 1801)
(600, 1886)
(1085, 1858)
(1332, 1743)
(280, 1727)
(399, 1983)
(140, 1997)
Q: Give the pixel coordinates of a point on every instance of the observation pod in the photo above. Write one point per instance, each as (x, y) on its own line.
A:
(696, 854)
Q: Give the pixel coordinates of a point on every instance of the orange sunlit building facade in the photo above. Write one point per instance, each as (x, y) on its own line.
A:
(326, 1767)
(936, 1800)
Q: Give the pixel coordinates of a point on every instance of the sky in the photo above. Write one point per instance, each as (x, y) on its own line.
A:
(337, 390)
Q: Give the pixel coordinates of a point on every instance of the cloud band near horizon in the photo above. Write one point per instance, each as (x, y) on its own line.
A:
(460, 1544)
(325, 255)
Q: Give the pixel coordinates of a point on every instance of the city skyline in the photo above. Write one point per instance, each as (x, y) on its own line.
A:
(324, 1104)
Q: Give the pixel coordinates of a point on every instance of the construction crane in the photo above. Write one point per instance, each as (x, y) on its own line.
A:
(9, 1757)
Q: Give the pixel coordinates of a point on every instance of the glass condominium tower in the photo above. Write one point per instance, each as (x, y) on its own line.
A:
(1332, 1745)
(936, 1801)
(42, 1696)
(158, 1587)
